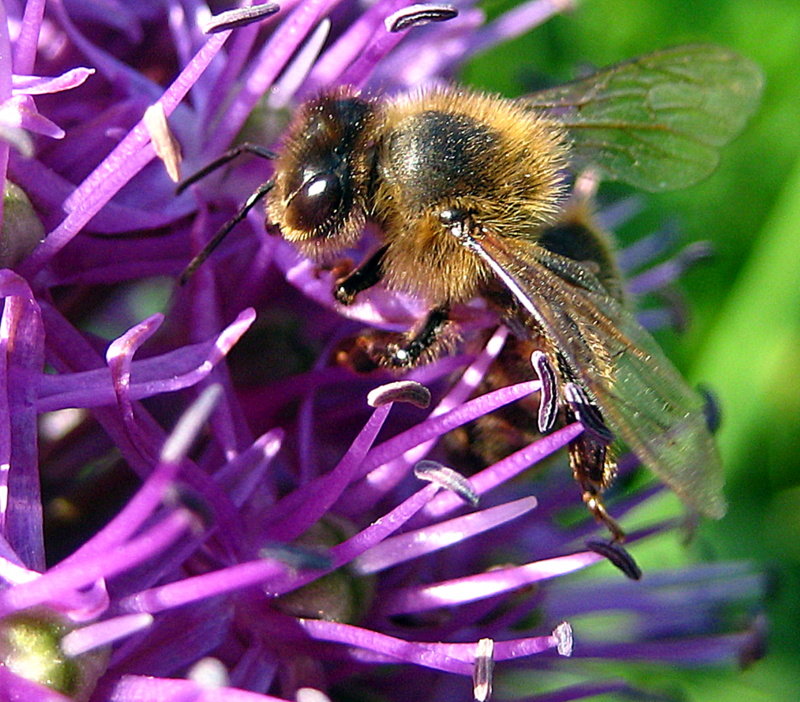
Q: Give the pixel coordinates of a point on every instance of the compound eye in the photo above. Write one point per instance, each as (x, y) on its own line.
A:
(316, 203)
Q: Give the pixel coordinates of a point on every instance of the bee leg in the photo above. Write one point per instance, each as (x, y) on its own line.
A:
(594, 503)
(593, 469)
(388, 349)
(407, 350)
(408, 353)
(365, 276)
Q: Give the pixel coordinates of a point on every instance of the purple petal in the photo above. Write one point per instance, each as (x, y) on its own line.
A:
(435, 656)
(296, 72)
(87, 638)
(168, 372)
(688, 652)
(202, 587)
(41, 85)
(348, 47)
(517, 21)
(52, 189)
(69, 351)
(117, 72)
(473, 588)
(120, 357)
(379, 46)
(189, 426)
(83, 572)
(21, 364)
(387, 311)
(240, 476)
(20, 112)
(506, 469)
(356, 545)
(152, 493)
(391, 461)
(127, 159)
(507, 650)
(269, 63)
(175, 642)
(298, 511)
(454, 658)
(660, 276)
(420, 542)
(133, 688)
(27, 42)
(113, 13)
(644, 251)
(12, 572)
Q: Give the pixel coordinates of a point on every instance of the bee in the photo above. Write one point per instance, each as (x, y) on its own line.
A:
(468, 192)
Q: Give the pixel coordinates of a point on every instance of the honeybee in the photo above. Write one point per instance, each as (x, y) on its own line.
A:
(468, 191)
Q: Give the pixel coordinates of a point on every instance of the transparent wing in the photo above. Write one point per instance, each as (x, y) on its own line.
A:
(644, 400)
(657, 121)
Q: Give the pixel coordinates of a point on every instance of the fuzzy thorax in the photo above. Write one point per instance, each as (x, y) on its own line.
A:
(452, 149)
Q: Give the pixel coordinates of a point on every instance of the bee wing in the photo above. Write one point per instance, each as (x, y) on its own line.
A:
(642, 397)
(657, 121)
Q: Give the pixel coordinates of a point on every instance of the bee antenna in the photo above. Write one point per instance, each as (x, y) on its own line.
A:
(243, 148)
(226, 228)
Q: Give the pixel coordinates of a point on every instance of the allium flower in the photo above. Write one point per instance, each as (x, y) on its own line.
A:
(307, 544)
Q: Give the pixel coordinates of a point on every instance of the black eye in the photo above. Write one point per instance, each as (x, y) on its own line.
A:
(316, 203)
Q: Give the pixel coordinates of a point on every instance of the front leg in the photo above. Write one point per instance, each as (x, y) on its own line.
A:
(369, 273)
(397, 350)
(424, 341)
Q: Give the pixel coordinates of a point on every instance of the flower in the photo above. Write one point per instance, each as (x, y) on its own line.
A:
(294, 552)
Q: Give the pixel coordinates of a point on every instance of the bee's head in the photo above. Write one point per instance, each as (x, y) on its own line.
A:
(322, 174)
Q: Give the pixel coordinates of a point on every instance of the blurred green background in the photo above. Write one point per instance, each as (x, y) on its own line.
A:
(744, 336)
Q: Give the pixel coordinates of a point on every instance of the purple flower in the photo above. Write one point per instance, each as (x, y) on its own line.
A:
(199, 503)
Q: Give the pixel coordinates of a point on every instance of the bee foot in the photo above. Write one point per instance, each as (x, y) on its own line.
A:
(399, 357)
(617, 556)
